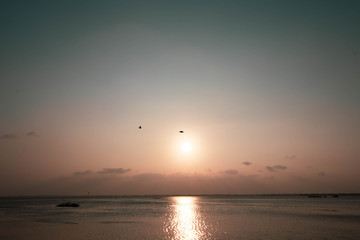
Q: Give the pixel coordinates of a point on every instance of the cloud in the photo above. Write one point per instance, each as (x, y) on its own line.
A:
(101, 172)
(150, 184)
(275, 168)
(114, 170)
(8, 136)
(291, 157)
(246, 163)
(32, 134)
(13, 136)
(231, 172)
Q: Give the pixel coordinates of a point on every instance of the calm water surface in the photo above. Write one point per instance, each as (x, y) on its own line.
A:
(205, 217)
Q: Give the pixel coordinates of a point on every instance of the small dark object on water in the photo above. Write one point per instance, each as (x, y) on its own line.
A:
(68, 204)
(314, 196)
(181, 131)
(139, 127)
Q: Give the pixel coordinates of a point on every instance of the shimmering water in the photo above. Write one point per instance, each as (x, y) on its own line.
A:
(204, 217)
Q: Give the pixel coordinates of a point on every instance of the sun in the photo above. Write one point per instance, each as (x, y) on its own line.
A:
(186, 147)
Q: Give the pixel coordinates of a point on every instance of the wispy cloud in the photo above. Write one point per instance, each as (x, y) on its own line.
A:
(32, 134)
(8, 136)
(246, 163)
(275, 168)
(114, 170)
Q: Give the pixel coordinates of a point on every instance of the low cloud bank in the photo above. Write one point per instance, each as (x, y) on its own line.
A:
(114, 170)
(117, 182)
(231, 172)
(123, 181)
(103, 171)
(275, 168)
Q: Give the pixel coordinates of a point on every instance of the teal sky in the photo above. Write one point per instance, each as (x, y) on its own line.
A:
(272, 84)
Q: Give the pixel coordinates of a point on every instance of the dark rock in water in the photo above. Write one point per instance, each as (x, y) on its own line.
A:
(335, 196)
(68, 204)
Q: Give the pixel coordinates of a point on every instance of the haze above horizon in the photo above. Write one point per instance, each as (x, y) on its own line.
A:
(233, 97)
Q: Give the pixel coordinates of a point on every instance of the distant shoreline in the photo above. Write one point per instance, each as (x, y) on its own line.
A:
(324, 195)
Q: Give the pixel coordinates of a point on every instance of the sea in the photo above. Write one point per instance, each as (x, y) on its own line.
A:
(276, 217)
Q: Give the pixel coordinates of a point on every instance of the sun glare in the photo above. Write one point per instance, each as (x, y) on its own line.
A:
(186, 222)
(186, 147)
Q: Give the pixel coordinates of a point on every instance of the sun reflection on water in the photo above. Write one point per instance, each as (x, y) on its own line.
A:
(185, 221)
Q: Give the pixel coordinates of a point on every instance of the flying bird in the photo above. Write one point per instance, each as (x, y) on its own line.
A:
(139, 127)
(181, 131)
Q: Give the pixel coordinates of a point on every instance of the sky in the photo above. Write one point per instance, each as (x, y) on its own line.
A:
(266, 92)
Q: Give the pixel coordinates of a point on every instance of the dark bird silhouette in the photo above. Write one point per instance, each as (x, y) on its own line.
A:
(181, 131)
(139, 127)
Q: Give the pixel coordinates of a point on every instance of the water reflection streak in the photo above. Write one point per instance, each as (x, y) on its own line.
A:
(185, 221)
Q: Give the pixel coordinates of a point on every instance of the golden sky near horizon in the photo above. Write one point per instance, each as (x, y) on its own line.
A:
(266, 94)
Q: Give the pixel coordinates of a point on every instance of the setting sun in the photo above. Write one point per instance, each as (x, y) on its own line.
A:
(186, 147)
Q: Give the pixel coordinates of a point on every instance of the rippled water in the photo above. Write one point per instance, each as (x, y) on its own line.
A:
(185, 220)
(206, 217)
